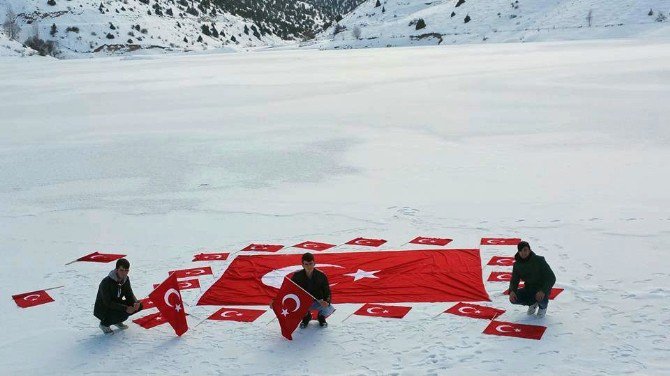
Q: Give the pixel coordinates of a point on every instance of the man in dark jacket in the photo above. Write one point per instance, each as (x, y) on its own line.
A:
(115, 301)
(314, 282)
(538, 280)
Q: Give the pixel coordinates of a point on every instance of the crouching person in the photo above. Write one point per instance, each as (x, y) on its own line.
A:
(115, 301)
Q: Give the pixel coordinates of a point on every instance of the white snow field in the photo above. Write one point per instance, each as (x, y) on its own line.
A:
(564, 144)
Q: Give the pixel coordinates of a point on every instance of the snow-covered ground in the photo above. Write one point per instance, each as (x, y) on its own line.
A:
(563, 144)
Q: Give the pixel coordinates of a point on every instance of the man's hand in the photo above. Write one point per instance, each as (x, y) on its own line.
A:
(539, 296)
(271, 302)
(323, 303)
(512, 297)
(136, 306)
(130, 309)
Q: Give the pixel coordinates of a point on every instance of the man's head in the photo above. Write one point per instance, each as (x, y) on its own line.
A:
(122, 268)
(308, 262)
(524, 249)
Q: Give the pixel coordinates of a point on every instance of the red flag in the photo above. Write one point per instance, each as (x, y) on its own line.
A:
(236, 314)
(314, 246)
(367, 242)
(33, 298)
(147, 303)
(291, 305)
(379, 310)
(431, 241)
(500, 241)
(149, 321)
(552, 294)
(210, 257)
(193, 272)
(475, 311)
(263, 248)
(510, 329)
(453, 275)
(500, 277)
(501, 261)
(167, 299)
(100, 257)
(186, 284)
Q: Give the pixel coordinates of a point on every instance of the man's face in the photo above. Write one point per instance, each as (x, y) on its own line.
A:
(122, 272)
(308, 266)
(524, 252)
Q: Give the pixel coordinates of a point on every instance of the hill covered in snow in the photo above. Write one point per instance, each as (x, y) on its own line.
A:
(389, 23)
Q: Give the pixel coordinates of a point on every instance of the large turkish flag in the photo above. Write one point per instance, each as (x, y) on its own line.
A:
(360, 277)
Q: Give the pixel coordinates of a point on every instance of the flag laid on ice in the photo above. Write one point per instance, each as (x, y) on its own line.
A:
(553, 294)
(510, 329)
(499, 277)
(192, 272)
(263, 248)
(431, 241)
(366, 242)
(236, 314)
(475, 311)
(186, 284)
(33, 298)
(211, 257)
(358, 277)
(150, 321)
(167, 299)
(379, 310)
(501, 261)
(147, 303)
(290, 305)
(500, 241)
(100, 257)
(314, 246)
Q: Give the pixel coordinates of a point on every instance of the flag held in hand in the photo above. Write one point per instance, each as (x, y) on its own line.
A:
(167, 299)
(291, 305)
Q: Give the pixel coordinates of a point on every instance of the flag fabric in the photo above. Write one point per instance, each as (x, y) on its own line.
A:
(510, 329)
(499, 277)
(211, 257)
(552, 294)
(475, 311)
(147, 303)
(379, 310)
(192, 272)
(150, 321)
(290, 305)
(314, 246)
(366, 242)
(168, 300)
(431, 241)
(236, 314)
(33, 298)
(186, 284)
(359, 277)
(263, 248)
(501, 261)
(101, 257)
(500, 241)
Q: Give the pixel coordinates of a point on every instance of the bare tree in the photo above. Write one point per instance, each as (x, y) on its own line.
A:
(10, 26)
(589, 17)
(356, 32)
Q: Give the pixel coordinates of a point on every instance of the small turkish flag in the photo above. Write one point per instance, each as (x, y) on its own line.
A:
(210, 257)
(33, 298)
(500, 241)
(510, 329)
(367, 242)
(291, 305)
(500, 277)
(475, 311)
(379, 310)
(186, 284)
(167, 299)
(236, 314)
(147, 303)
(263, 248)
(193, 272)
(501, 261)
(552, 294)
(150, 321)
(100, 257)
(314, 246)
(431, 241)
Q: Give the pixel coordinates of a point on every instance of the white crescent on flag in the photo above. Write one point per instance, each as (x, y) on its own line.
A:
(503, 277)
(225, 314)
(167, 296)
(469, 310)
(372, 312)
(32, 297)
(185, 285)
(499, 328)
(96, 255)
(504, 262)
(293, 297)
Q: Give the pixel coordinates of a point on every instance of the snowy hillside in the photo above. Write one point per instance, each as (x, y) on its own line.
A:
(13, 48)
(109, 26)
(385, 23)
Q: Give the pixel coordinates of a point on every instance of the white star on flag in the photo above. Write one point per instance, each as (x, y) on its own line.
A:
(177, 307)
(284, 312)
(360, 274)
